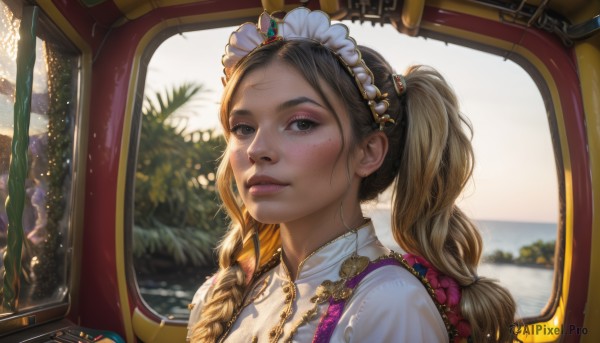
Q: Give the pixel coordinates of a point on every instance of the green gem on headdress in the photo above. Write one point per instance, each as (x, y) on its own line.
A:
(267, 26)
(272, 31)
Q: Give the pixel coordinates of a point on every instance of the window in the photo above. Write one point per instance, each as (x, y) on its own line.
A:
(44, 280)
(177, 222)
(513, 197)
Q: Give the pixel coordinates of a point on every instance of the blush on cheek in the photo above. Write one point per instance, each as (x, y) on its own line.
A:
(323, 155)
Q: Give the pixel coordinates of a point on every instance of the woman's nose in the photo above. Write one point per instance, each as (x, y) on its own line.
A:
(263, 148)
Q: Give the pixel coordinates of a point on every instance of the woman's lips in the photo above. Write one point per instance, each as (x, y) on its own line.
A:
(264, 185)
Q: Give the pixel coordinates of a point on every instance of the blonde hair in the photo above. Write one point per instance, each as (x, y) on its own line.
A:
(435, 164)
(430, 158)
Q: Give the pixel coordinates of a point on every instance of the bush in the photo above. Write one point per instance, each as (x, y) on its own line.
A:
(499, 256)
(176, 210)
(539, 253)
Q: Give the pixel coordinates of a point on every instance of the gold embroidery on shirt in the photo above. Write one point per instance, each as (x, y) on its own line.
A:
(261, 271)
(306, 317)
(337, 290)
(289, 289)
(256, 294)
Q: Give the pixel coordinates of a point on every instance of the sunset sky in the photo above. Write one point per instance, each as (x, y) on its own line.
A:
(515, 173)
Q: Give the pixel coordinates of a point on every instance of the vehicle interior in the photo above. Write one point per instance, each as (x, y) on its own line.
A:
(76, 134)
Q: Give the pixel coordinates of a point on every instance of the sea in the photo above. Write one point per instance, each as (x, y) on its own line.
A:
(531, 287)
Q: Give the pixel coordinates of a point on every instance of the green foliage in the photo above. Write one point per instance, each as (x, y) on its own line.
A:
(499, 256)
(176, 208)
(538, 253)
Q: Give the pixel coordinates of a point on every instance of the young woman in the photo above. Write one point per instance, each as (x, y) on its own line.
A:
(315, 126)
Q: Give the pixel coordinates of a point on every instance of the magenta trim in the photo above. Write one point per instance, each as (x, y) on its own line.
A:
(336, 308)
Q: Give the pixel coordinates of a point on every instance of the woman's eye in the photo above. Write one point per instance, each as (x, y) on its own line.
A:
(242, 130)
(302, 125)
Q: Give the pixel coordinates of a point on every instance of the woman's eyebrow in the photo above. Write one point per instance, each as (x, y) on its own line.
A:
(240, 112)
(282, 107)
(297, 101)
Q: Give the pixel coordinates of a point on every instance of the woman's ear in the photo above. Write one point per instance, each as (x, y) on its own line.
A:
(372, 151)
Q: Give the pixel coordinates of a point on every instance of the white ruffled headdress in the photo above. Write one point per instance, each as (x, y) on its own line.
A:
(301, 24)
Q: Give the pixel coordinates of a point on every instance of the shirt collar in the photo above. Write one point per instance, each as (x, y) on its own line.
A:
(335, 251)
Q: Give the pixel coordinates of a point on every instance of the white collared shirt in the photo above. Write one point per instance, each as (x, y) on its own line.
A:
(389, 304)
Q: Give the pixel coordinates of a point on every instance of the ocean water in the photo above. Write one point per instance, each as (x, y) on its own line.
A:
(531, 287)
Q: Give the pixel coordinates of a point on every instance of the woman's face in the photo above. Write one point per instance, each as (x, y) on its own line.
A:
(285, 147)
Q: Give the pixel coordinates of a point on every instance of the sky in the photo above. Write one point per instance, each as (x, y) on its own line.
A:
(515, 175)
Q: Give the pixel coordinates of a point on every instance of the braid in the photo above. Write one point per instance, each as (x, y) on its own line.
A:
(226, 295)
(435, 164)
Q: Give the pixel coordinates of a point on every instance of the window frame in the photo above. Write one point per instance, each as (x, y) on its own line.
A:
(443, 24)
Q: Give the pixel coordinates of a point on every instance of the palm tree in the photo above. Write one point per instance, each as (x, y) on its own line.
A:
(176, 209)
